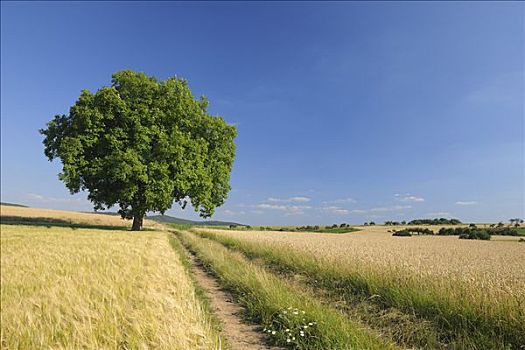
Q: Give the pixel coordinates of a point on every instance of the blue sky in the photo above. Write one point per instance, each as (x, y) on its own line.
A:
(346, 112)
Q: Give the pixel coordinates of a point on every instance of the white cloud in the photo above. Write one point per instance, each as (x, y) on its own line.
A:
(392, 208)
(407, 197)
(229, 212)
(298, 199)
(439, 214)
(340, 201)
(53, 200)
(287, 209)
(359, 211)
(271, 206)
(466, 203)
(333, 210)
(412, 199)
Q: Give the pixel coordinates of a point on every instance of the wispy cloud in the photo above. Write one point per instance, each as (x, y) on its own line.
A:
(229, 212)
(298, 199)
(412, 199)
(466, 203)
(440, 213)
(341, 201)
(285, 208)
(359, 211)
(407, 197)
(53, 200)
(333, 210)
(391, 208)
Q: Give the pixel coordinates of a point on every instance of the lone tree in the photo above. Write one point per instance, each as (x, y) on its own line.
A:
(142, 144)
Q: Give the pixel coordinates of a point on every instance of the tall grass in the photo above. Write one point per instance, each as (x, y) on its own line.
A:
(280, 307)
(465, 320)
(96, 289)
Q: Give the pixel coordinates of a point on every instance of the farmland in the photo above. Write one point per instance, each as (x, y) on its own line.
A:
(78, 280)
(68, 287)
(470, 292)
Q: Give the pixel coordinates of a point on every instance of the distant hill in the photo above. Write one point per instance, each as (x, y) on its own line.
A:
(13, 205)
(173, 220)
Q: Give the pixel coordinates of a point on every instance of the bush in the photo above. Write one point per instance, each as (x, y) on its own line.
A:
(476, 234)
(440, 221)
(402, 233)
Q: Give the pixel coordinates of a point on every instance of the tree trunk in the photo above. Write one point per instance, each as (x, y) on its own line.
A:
(137, 222)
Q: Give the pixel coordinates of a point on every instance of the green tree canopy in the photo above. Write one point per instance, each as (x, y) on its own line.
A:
(142, 144)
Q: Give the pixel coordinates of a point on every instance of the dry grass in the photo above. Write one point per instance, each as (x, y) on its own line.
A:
(473, 291)
(496, 266)
(66, 288)
(68, 216)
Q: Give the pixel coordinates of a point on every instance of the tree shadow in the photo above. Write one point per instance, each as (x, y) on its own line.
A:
(53, 222)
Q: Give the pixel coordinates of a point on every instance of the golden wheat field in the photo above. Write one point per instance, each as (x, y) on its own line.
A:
(67, 216)
(66, 288)
(494, 267)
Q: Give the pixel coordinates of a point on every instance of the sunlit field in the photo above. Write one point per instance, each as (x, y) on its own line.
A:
(473, 291)
(496, 265)
(73, 288)
(40, 216)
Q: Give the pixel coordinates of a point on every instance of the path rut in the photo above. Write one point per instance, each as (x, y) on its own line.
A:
(239, 335)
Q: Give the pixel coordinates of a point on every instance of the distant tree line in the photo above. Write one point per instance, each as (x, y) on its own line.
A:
(407, 232)
(459, 231)
(440, 221)
(470, 232)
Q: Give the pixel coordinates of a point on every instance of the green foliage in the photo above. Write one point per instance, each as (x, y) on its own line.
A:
(142, 144)
(473, 232)
(343, 228)
(407, 232)
(402, 233)
(440, 221)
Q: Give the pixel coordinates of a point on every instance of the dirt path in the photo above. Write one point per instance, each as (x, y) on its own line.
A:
(240, 336)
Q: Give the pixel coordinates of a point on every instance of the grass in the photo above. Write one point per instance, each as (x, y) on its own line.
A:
(50, 217)
(520, 230)
(86, 288)
(466, 319)
(211, 318)
(334, 230)
(279, 306)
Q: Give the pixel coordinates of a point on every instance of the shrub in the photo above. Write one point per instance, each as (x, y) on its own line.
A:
(440, 221)
(402, 233)
(476, 234)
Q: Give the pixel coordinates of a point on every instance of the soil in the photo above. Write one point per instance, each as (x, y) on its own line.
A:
(239, 335)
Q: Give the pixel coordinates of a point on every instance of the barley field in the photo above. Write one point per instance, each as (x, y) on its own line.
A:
(472, 292)
(494, 266)
(72, 288)
(40, 215)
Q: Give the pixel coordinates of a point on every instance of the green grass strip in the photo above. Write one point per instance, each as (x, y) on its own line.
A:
(462, 323)
(291, 316)
(202, 298)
